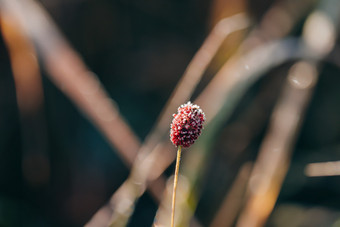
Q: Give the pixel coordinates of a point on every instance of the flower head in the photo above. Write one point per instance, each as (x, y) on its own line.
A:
(187, 125)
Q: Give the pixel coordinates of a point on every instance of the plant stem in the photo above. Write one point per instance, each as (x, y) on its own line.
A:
(179, 151)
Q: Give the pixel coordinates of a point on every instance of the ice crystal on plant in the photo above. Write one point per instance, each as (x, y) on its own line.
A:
(186, 125)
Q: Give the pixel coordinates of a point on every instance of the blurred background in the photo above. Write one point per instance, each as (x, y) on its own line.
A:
(58, 169)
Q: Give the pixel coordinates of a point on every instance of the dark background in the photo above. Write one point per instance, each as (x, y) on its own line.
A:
(139, 50)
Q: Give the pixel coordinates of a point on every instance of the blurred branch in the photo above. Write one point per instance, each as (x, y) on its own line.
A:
(164, 209)
(257, 54)
(240, 78)
(193, 75)
(164, 159)
(274, 156)
(69, 73)
(219, 98)
(30, 99)
(233, 201)
(322, 169)
(144, 164)
(231, 82)
(278, 22)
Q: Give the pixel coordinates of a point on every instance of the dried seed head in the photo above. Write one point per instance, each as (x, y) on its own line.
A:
(187, 125)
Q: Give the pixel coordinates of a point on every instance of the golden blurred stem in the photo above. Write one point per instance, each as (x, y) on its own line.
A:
(178, 160)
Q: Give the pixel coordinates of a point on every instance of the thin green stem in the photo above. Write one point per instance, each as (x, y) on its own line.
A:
(179, 151)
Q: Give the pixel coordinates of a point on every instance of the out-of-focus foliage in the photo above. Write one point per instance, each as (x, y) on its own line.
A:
(139, 50)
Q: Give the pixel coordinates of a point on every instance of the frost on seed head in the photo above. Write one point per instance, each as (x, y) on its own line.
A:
(186, 125)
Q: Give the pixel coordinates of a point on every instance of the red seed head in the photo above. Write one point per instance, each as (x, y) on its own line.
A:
(187, 125)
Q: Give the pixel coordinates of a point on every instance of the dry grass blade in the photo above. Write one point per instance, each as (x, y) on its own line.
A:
(70, 74)
(274, 156)
(231, 205)
(144, 162)
(30, 99)
(244, 68)
(278, 22)
(322, 169)
(235, 87)
(192, 76)
(279, 16)
(164, 159)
